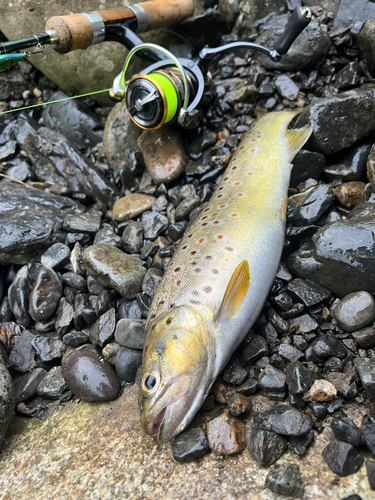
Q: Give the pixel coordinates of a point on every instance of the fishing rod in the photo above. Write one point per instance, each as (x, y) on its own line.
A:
(170, 89)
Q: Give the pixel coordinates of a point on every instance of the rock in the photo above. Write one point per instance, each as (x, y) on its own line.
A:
(307, 291)
(190, 445)
(290, 353)
(153, 224)
(132, 238)
(151, 281)
(25, 386)
(300, 444)
(18, 296)
(350, 194)
(321, 390)
(130, 333)
(88, 222)
(319, 410)
(286, 480)
(7, 397)
(255, 350)
(108, 236)
(282, 420)
(234, 373)
(104, 327)
(75, 281)
(342, 458)
(368, 431)
(267, 447)
(345, 430)
(308, 49)
(45, 294)
(344, 384)
(132, 205)
(355, 311)
(248, 387)
(366, 371)
(349, 165)
(8, 150)
(338, 254)
(319, 199)
(204, 29)
(89, 377)
(238, 404)
(286, 87)
(272, 380)
(186, 206)
(303, 324)
(56, 257)
(75, 339)
(348, 76)
(113, 268)
(26, 234)
(358, 104)
(225, 434)
(105, 302)
(53, 386)
(365, 338)
(22, 357)
(64, 316)
(163, 153)
(127, 363)
(306, 165)
(243, 94)
(323, 348)
(370, 467)
(48, 347)
(74, 120)
(299, 379)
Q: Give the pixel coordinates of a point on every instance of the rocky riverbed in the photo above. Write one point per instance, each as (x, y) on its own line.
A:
(91, 212)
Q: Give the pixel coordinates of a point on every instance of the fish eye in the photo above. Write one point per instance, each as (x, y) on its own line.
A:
(150, 382)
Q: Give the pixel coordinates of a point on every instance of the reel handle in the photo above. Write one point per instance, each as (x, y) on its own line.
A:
(297, 23)
(79, 31)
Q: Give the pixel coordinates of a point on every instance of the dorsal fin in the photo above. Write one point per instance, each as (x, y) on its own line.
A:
(235, 293)
(296, 138)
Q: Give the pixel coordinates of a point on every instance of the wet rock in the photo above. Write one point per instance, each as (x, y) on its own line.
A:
(88, 222)
(368, 431)
(365, 338)
(64, 317)
(153, 224)
(370, 467)
(348, 76)
(163, 153)
(238, 404)
(176, 231)
(226, 434)
(286, 87)
(9, 333)
(255, 350)
(25, 386)
(22, 357)
(357, 104)
(104, 302)
(286, 480)
(190, 445)
(131, 206)
(132, 238)
(103, 329)
(250, 386)
(306, 165)
(267, 447)
(113, 268)
(349, 165)
(355, 311)
(75, 281)
(89, 377)
(48, 347)
(321, 390)
(130, 333)
(283, 420)
(345, 430)
(350, 194)
(272, 380)
(234, 373)
(186, 206)
(18, 296)
(300, 444)
(307, 291)
(319, 199)
(344, 384)
(290, 353)
(75, 339)
(324, 347)
(127, 363)
(319, 410)
(8, 150)
(308, 49)
(45, 294)
(7, 397)
(74, 120)
(243, 94)
(338, 254)
(204, 29)
(108, 236)
(342, 458)
(56, 257)
(53, 386)
(303, 324)
(151, 281)
(299, 379)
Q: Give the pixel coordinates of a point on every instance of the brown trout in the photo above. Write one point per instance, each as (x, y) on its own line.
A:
(217, 282)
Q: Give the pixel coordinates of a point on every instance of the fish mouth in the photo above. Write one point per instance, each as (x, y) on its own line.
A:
(154, 425)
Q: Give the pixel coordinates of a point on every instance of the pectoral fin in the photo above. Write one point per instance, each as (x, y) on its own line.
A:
(235, 292)
(296, 138)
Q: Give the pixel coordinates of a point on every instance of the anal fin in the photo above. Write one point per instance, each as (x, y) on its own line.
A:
(235, 293)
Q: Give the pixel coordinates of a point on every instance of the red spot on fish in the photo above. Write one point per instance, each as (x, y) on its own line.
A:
(236, 183)
(201, 240)
(222, 206)
(252, 150)
(220, 237)
(215, 222)
(178, 283)
(240, 194)
(234, 215)
(250, 173)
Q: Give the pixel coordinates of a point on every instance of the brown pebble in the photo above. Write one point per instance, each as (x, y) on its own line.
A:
(221, 390)
(350, 194)
(9, 332)
(238, 404)
(226, 434)
(132, 205)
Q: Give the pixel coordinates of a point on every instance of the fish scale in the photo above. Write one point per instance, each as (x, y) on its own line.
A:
(218, 279)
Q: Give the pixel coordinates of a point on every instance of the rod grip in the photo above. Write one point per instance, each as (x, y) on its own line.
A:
(161, 13)
(297, 23)
(74, 32)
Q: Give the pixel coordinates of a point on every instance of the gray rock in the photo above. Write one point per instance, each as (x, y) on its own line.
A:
(75, 281)
(267, 447)
(108, 236)
(272, 380)
(130, 333)
(306, 165)
(88, 222)
(356, 310)
(103, 329)
(127, 363)
(45, 294)
(190, 445)
(8, 150)
(342, 458)
(319, 199)
(132, 237)
(154, 224)
(7, 399)
(22, 356)
(49, 347)
(286, 480)
(151, 281)
(234, 373)
(350, 13)
(286, 87)
(114, 268)
(26, 234)
(345, 430)
(365, 338)
(56, 257)
(299, 379)
(186, 206)
(64, 316)
(25, 386)
(283, 420)
(366, 371)
(18, 296)
(53, 385)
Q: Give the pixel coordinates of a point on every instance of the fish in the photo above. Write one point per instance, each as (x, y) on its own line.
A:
(219, 277)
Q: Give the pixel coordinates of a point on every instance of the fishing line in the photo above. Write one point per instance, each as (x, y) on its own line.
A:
(52, 102)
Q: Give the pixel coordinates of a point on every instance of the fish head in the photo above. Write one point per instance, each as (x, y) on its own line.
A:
(175, 370)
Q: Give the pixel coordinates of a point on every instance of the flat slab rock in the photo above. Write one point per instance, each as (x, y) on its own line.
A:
(104, 454)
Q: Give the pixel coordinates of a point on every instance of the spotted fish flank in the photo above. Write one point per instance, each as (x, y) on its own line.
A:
(219, 278)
